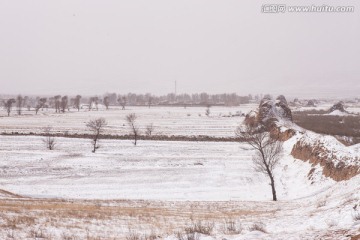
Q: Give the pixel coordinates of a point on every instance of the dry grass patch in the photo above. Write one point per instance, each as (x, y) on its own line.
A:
(75, 217)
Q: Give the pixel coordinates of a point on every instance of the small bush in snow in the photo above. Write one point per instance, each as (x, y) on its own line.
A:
(65, 236)
(10, 234)
(37, 233)
(207, 111)
(199, 227)
(149, 129)
(136, 236)
(187, 236)
(356, 216)
(151, 236)
(133, 236)
(321, 203)
(258, 227)
(194, 231)
(49, 140)
(232, 227)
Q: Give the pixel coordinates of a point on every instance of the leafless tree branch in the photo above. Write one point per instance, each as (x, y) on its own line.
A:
(268, 151)
(131, 120)
(96, 126)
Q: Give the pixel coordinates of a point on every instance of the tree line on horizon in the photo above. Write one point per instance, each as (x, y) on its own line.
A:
(64, 103)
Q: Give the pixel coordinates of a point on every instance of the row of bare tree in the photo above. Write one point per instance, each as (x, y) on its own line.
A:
(58, 102)
(268, 149)
(19, 104)
(63, 103)
(97, 127)
(203, 99)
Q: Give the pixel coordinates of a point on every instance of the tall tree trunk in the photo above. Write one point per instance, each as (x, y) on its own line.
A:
(273, 188)
(95, 140)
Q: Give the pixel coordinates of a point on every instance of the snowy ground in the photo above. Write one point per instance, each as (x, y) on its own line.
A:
(191, 121)
(208, 171)
(179, 121)
(168, 178)
(161, 187)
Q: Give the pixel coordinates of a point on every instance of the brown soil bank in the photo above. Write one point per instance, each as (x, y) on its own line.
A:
(333, 166)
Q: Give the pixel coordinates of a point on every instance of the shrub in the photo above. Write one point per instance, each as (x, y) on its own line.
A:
(193, 232)
(232, 227)
(356, 216)
(258, 227)
(199, 227)
(321, 203)
(133, 236)
(187, 236)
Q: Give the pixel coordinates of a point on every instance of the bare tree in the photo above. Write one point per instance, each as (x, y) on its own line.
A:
(149, 129)
(77, 102)
(94, 100)
(25, 101)
(91, 100)
(149, 100)
(8, 105)
(106, 102)
(49, 140)
(51, 101)
(207, 111)
(57, 100)
(96, 126)
(19, 103)
(122, 101)
(131, 120)
(71, 103)
(40, 104)
(268, 151)
(64, 103)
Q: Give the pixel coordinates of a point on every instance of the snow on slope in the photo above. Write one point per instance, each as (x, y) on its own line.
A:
(340, 113)
(334, 150)
(337, 113)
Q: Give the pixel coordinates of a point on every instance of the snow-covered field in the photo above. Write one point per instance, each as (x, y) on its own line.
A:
(162, 187)
(171, 184)
(210, 171)
(179, 121)
(191, 121)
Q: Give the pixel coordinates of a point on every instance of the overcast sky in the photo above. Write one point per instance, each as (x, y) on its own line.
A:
(93, 47)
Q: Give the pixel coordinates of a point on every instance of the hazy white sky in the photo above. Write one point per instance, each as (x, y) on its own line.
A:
(91, 47)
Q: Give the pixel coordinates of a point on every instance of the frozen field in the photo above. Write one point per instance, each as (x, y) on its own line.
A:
(161, 187)
(152, 170)
(191, 121)
(155, 187)
(179, 121)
